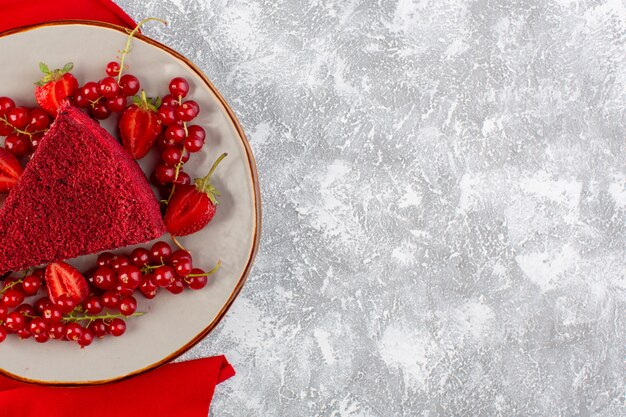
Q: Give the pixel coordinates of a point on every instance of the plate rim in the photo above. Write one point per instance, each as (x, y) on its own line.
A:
(255, 185)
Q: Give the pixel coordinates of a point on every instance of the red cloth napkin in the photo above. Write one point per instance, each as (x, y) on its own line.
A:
(182, 389)
(16, 13)
(177, 390)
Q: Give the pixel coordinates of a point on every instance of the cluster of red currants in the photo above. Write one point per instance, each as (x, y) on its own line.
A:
(179, 139)
(109, 95)
(111, 300)
(22, 126)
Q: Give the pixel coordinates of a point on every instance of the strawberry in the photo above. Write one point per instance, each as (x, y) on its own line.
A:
(140, 126)
(10, 170)
(55, 87)
(63, 279)
(192, 207)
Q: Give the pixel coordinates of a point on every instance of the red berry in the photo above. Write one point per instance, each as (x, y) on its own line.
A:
(176, 287)
(74, 331)
(183, 179)
(104, 278)
(41, 304)
(66, 303)
(90, 91)
(117, 327)
(118, 262)
(24, 333)
(195, 139)
(108, 87)
(100, 111)
(197, 279)
(167, 115)
(116, 104)
(129, 85)
(6, 105)
(104, 259)
(140, 257)
(31, 285)
(93, 305)
(13, 297)
(164, 276)
(56, 331)
(42, 337)
(17, 144)
(4, 310)
(5, 128)
(14, 322)
(52, 314)
(26, 310)
(98, 328)
(172, 156)
(81, 101)
(169, 101)
(3, 334)
(182, 262)
(179, 87)
(85, 339)
(160, 253)
(175, 134)
(110, 299)
(187, 111)
(38, 326)
(112, 69)
(35, 140)
(148, 288)
(164, 174)
(18, 117)
(39, 119)
(129, 276)
(128, 306)
(123, 291)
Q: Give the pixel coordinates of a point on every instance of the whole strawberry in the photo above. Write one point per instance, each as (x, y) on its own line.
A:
(54, 87)
(10, 170)
(140, 126)
(192, 207)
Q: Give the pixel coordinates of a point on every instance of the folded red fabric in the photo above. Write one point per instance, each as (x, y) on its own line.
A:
(182, 389)
(16, 13)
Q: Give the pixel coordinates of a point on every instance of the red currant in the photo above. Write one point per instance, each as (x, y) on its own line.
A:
(39, 119)
(66, 303)
(42, 337)
(187, 111)
(104, 259)
(123, 291)
(172, 156)
(112, 69)
(129, 276)
(14, 322)
(110, 299)
(164, 276)
(19, 117)
(140, 257)
(31, 285)
(179, 87)
(90, 91)
(108, 87)
(85, 339)
(195, 140)
(52, 314)
(148, 288)
(17, 144)
(175, 134)
(176, 287)
(167, 115)
(100, 111)
(6, 105)
(118, 262)
(116, 104)
(197, 280)
(26, 310)
(183, 179)
(4, 310)
(38, 326)
(56, 331)
(5, 128)
(182, 263)
(13, 297)
(98, 328)
(129, 85)
(104, 278)
(73, 331)
(41, 304)
(160, 253)
(128, 306)
(24, 333)
(117, 327)
(35, 140)
(81, 101)
(169, 101)
(3, 334)
(93, 305)
(164, 173)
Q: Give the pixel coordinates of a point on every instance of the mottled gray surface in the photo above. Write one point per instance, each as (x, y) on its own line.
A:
(445, 204)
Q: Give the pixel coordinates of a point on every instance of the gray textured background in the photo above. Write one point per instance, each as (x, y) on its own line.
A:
(445, 204)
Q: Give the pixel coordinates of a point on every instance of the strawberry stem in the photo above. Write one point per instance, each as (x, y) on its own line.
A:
(131, 35)
(203, 182)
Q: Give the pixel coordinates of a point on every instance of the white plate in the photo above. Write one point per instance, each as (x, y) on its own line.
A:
(173, 323)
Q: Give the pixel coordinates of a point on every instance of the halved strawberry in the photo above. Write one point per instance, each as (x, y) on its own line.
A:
(63, 279)
(10, 170)
(55, 87)
(140, 126)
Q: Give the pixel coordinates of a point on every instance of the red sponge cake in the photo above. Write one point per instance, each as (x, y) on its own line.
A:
(80, 194)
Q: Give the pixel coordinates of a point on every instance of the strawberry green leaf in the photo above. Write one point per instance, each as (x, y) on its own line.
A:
(68, 67)
(44, 68)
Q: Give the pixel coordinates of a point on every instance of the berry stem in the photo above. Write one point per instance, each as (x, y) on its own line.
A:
(206, 274)
(107, 316)
(177, 243)
(11, 285)
(23, 132)
(131, 35)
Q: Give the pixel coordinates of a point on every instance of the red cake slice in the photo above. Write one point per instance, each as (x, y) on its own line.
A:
(81, 193)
